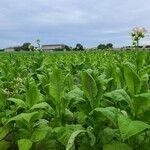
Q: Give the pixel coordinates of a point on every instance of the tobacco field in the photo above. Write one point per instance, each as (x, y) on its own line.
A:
(75, 101)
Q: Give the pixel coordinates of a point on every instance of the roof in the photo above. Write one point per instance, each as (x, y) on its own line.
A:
(13, 47)
(53, 45)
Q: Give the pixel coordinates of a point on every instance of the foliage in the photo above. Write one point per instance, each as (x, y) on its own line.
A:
(109, 45)
(79, 47)
(101, 46)
(25, 47)
(105, 46)
(75, 101)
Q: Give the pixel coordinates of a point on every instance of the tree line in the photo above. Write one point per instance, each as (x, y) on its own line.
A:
(79, 47)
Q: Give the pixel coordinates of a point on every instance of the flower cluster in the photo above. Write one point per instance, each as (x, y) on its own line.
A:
(139, 30)
(137, 34)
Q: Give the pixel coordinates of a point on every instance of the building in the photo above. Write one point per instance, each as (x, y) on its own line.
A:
(10, 49)
(53, 47)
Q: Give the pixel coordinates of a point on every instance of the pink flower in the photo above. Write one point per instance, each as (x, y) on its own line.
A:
(139, 29)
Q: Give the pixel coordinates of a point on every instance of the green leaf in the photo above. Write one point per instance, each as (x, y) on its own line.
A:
(74, 135)
(144, 70)
(132, 79)
(4, 145)
(64, 133)
(119, 95)
(141, 102)
(117, 146)
(33, 95)
(129, 128)
(56, 90)
(110, 135)
(90, 89)
(69, 81)
(117, 75)
(26, 116)
(140, 59)
(72, 138)
(42, 105)
(144, 83)
(91, 137)
(56, 86)
(40, 133)
(76, 94)
(24, 144)
(3, 132)
(18, 102)
(109, 112)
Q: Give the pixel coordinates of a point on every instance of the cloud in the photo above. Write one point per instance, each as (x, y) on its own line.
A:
(70, 21)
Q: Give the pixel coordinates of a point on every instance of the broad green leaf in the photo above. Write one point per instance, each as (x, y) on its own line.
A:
(3, 132)
(64, 133)
(144, 83)
(40, 133)
(146, 116)
(69, 81)
(119, 95)
(68, 116)
(140, 59)
(117, 76)
(56, 90)
(24, 144)
(75, 98)
(75, 134)
(42, 105)
(141, 102)
(4, 145)
(91, 137)
(90, 89)
(46, 62)
(76, 94)
(23, 132)
(109, 112)
(144, 70)
(18, 102)
(72, 138)
(56, 86)
(25, 116)
(117, 146)
(33, 95)
(129, 128)
(109, 135)
(132, 80)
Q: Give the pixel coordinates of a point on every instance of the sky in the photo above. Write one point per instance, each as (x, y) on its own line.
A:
(89, 22)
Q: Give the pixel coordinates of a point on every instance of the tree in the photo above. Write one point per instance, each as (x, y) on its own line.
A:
(67, 48)
(18, 48)
(109, 45)
(27, 47)
(1, 50)
(79, 47)
(101, 46)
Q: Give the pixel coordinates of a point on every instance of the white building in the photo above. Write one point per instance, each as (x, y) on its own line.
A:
(10, 49)
(53, 47)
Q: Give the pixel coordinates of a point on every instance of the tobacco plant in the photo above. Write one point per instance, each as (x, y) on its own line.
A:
(75, 101)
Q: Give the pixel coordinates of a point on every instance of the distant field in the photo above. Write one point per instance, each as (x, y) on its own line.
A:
(97, 100)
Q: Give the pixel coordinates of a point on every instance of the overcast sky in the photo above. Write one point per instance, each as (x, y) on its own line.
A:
(89, 22)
